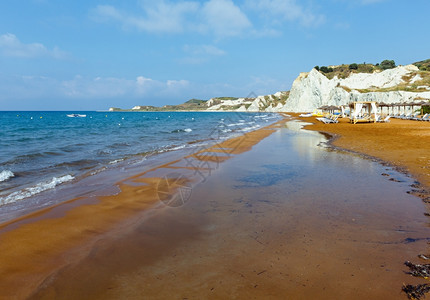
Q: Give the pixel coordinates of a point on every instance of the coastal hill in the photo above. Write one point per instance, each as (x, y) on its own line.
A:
(327, 85)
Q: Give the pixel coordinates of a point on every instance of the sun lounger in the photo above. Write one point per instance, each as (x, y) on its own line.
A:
(330, 119)
(406, 117)
(423, 118)
(413, 116)
(385, 120)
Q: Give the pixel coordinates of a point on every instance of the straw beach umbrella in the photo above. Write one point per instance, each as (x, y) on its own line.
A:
(382, 105)
(421, 104)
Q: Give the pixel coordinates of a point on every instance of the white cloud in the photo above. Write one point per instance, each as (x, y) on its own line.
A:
(221, 18)
(110, 87)
(81, 87)
(177, 84)
(224, 18)
(157, 17)
(285, 10)
(199, 54)
(99, 87)
(11, 46)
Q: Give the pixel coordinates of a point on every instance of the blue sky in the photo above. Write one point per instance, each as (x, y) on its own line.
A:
(89, 55)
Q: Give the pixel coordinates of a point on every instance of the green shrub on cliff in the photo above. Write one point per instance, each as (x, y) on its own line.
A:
(325, 69)
(423, 65)
(387, 64)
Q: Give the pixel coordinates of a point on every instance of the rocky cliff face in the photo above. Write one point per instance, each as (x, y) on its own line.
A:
(312, 90)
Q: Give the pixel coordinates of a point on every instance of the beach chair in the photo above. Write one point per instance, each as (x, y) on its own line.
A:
(427, 118)
(423, 118)
(329, 119)
(385, 120)
(413, 116)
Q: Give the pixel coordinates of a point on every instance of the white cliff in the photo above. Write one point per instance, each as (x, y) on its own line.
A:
(312, 90)
(269, 103)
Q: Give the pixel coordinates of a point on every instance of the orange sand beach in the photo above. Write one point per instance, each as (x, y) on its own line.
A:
(150, 240)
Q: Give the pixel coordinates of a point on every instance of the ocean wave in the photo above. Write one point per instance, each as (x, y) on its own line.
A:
(6, 175)
(246, 129)
(235, 124)
(119, 145)
(82, 164)
(262, 116)
(181, 130)
(100, 170)
(116, 161)
(177, 147)
(24, 158)
(38, 188)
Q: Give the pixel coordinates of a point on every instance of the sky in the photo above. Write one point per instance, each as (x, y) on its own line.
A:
(96, 54)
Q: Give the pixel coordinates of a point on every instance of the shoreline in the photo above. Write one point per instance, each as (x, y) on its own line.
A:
(131, 143)
(384, 143)
(73, 227)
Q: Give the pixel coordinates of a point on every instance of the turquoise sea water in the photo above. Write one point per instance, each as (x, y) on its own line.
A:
(41, 150)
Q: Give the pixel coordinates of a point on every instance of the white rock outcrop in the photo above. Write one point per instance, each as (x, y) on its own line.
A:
(312, 90)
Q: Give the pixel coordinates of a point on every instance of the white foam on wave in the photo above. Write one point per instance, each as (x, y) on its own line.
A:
(261, 116)
(116, 161)
(235, 124)
(5, 175)
(38, 188)
(178, 147)
(188, 130)
(246, 129)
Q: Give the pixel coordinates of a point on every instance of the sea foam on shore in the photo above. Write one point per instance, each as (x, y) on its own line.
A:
(6, 175)
(36, 189)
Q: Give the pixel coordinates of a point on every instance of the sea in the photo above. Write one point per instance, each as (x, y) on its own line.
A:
(40, 151)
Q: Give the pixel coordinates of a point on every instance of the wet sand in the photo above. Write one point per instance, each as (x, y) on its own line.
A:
(402, 143)
(266, 215)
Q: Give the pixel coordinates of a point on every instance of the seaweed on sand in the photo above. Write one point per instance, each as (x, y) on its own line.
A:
(416, 291)
(418, 270)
